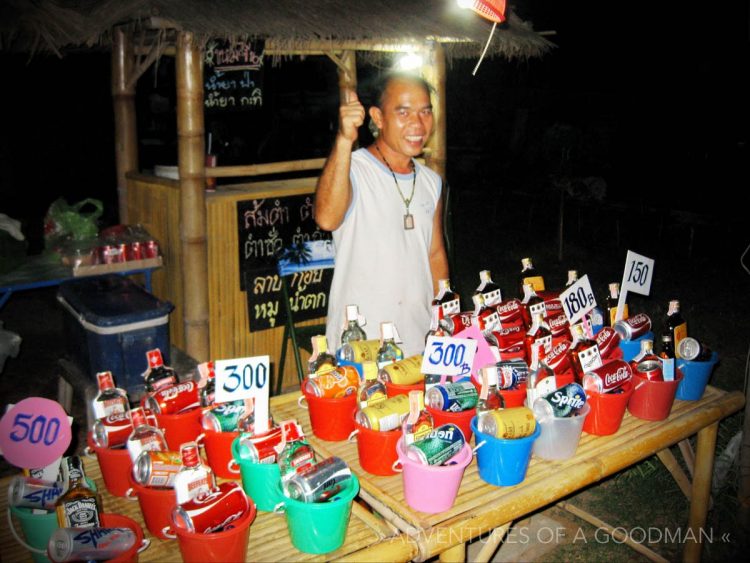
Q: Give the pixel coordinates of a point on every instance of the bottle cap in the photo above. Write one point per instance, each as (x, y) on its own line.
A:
(352, 313)
(386, 330)
(137, 417)
(370, 370)
(485, 276)
(189, 454)
(105, 380)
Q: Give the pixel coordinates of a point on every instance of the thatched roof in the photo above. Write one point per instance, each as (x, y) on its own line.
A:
(58, 25)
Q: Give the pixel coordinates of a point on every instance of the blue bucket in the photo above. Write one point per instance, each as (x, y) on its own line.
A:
(630, 348)
(695, 377)
(503, 462)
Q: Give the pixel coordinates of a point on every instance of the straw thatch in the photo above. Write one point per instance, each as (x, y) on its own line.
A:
(56, 26)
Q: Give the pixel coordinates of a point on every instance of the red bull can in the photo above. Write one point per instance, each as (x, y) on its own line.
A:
(212, 512)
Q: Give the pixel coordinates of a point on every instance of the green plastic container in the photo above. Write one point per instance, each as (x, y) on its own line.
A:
(319, 527)
(261, 481)
(37, 528)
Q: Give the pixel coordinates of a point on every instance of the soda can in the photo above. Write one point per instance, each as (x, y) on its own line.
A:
(650, 369)
(385, 415)
(110, 253)
(28, 492)
(510, 312)
(318, 482)
(403, 372)
(558, 325)
(633, 327)
(135, 250)
(452, 397)
(174, 399)
(223, 417)
(364, 350)
(553, 307)
(515, 352)
(562, 402)
(89, 544)
(608, 340)
(511, 373)
(693, 350)
(456, 322)
(439, 446)
(608, 377)
(151, 249)
(112, 431)
(509, 336)
(558, 360)
(339, 382)
(212, 512)
(265, 448)
(514, 422)
(157, 469)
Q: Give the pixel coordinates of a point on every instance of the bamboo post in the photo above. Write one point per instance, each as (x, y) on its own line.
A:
(491, 543)
(191, 162)
(123, 98)
(434, 73)
(704, 466)
(670, 462)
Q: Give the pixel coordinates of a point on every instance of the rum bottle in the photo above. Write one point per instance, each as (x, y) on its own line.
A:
(80, 506)
(486, 318)
(419, 422)
(353, 330)
(539, 333)
(321, 360)
(144, 437)
(488, 289)
(389, 351)
(110, 399)
(194, 478)
(584, 352)
(610, 305)
(530, 275)
(532, 304)
(449, 300)
(157, 375)
(371, 390)
(675, 325)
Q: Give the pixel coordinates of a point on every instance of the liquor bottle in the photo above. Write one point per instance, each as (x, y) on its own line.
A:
(530, 275)
(80, 506)
(246, 422)
(157, 375)
(206, 383)
(110, 399)
(610, 305)
(667, 350)
(448, 299)
(371, 390)
(419, 422)
(539, 332)
(321, 360)
(675, 325)
(436, 327)
(195, 478)
(488, 289)
(539, 370)
(389, 351)
(532, 304)
(584, 352)
(144, 437)
(489, 397)
(572, 278)
(484, 317)
(353, 331)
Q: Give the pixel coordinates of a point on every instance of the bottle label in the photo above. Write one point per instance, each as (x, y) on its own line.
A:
(107, 407)
(405, 372)
(590, 358)
(680, 332)
(451, 307)
(189, 485)
(613, 314)
(537, 282)
(538, 308)
(80, 513)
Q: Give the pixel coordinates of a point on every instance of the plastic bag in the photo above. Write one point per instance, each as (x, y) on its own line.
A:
(10, 344)
(72, 222)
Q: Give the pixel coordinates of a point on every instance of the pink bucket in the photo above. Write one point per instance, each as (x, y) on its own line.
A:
(432, 488)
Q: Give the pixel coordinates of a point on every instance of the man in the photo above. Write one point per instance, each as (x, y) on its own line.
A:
(385, 211)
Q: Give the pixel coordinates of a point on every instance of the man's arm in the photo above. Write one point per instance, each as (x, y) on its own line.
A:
(333, 193)
(438, 256)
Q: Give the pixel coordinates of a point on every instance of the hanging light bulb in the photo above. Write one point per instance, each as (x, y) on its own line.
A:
(493, 10)
(408, 61)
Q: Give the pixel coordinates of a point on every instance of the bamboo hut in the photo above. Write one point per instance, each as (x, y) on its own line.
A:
(198, 232)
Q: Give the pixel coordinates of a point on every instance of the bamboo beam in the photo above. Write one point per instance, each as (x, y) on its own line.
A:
(400, 548)
(191, 162)
(701, 494)
(491, 543)
(670, 462)
(266, 168)
(434, 71)
(123, 98)
(455, 554)
(688, 455)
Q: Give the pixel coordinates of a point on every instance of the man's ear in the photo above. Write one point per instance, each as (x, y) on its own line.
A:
(377, 116)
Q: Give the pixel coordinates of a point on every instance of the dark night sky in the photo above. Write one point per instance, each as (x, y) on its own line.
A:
(657, 92)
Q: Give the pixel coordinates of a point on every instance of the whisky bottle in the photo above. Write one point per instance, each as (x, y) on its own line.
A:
(419, 422)
(144, 437)
(157, 375)
(353, 331)
(80, 506)
(436, 327)
(389, 351)
(538, 333)
(530, 275)
(675, 325)
(448, 299)
(532, 304)
(194, 479)
(371, 390)
(488, 289)
(667, 350)
(610, 305)
(110, 399)
(484, 317)
(646, 353)
(584, 352)
(321, 360)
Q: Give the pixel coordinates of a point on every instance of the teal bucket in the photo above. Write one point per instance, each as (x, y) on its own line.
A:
(503, 462)
(261, 481)
(319, 527)
(695, 377)
(37, 528)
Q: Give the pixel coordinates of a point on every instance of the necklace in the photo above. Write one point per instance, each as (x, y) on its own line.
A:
(408, 217)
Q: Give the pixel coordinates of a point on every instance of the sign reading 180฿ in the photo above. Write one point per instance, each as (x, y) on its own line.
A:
(448, 356)
(578, 300)
(245, 378)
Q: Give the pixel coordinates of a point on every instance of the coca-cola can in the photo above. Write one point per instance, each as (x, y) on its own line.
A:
(633, 327)
(157, 469)
(135, 250)
(608, 377)
(456, 322)
(509, 336)
(650, 369)
(515, 352)
(264, 448)
(608, 342)
(151, 249)
(553, 307)
(112, 431)
(510, 312)
(174, 399)
(212, 512)
(558, 325)
(109, 254)
(558, 360)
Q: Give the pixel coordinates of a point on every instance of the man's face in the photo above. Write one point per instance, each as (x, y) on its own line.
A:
(405, 119)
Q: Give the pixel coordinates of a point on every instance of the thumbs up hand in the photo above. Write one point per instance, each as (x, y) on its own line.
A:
(351, 115)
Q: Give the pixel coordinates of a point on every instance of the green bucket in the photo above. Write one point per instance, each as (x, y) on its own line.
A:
(37, 528)
(261, 481)
(319, 527)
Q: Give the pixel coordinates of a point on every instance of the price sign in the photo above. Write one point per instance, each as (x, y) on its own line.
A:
(444, 355)
(34, 433)
(636, 278)
(243, 378)
(578, 300)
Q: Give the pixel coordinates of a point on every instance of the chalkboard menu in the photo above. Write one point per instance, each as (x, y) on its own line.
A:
(267, 227)
(233, 75)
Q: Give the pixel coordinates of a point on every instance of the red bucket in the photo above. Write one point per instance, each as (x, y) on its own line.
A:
(156, 506)
(218, 446)
(607, 410)
(225, 546)
(514, 397)
(461, 419)
(393, 389)
(331, 419)
(119, 521)
(180, 428)
(115, 465)
(652, 400)
(377, 450)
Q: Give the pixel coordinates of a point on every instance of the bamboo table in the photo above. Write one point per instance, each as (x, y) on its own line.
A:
(481, 508)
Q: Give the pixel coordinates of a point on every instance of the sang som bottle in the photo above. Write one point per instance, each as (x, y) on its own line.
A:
(584, 352)
(353, 331)
(449, 300)
(572, 278)
(532, 304)
(538, 333)
(110, 399)
(144, 436)
(488, 289)
(530, 275)
(194, 479)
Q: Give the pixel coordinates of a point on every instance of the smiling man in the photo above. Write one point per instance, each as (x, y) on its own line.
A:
(385, 211)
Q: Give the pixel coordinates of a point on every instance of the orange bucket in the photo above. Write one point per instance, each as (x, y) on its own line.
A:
(119, 521)
(115, 465)
(393, 389)
(331, 419)
(607, 410)
(156, 506)
(180, 428)
(377, 450)
(652, 400)
(218, 446)
(462, 419)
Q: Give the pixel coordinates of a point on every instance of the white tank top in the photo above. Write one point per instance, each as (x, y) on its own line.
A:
(381, 267)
